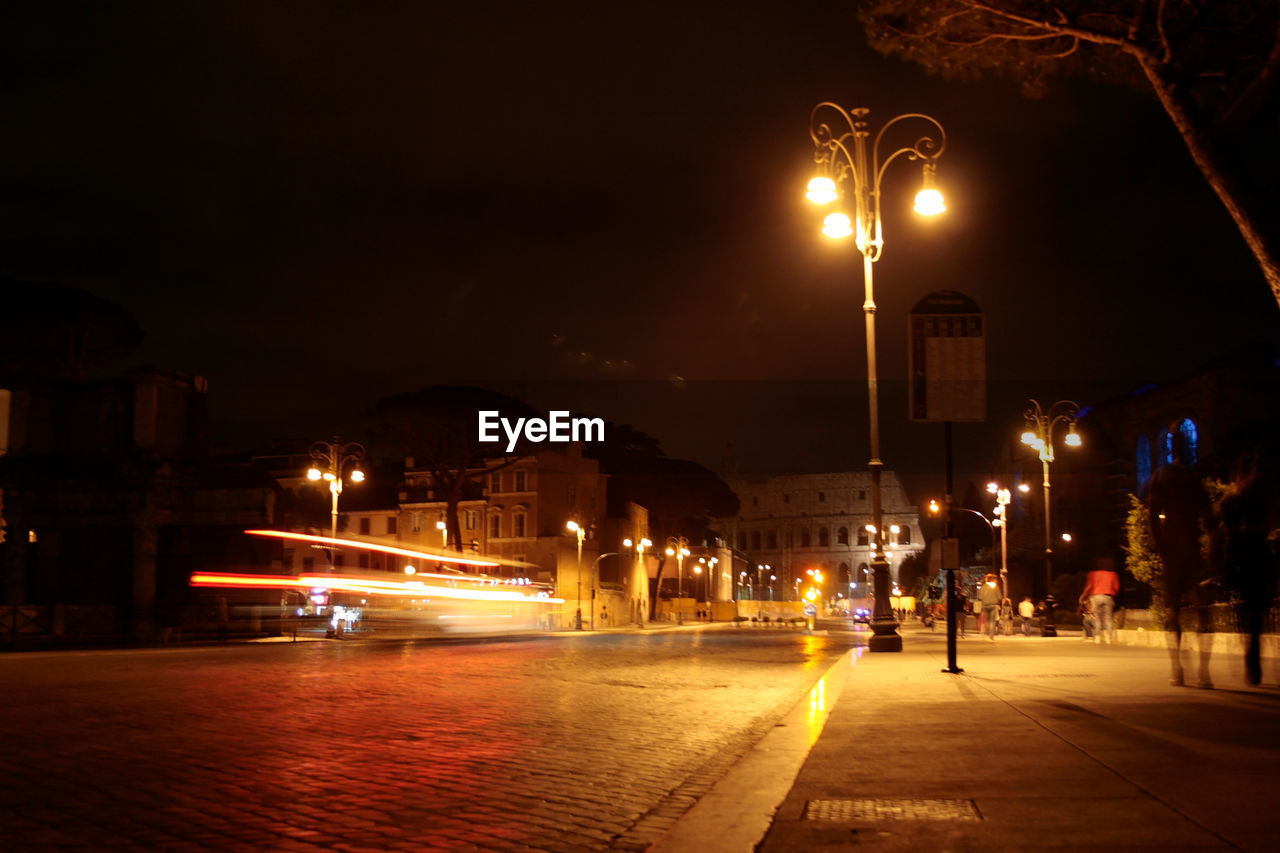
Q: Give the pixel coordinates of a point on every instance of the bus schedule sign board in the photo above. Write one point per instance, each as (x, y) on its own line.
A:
(947, 359)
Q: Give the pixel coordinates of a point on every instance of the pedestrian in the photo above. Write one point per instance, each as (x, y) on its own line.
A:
(1088, 621)
(1244, 556)
(1176, 508)
(224, 619)
(989, 597)
(1101, 587)
(1027, 611)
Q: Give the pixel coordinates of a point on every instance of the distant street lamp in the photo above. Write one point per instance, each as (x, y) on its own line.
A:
(678, 547)
(1003, 498)
(640, 547)
(710, 565)
(329, 460)
(444, 534)
(581, 532)
(841, 154)
(1038, 436)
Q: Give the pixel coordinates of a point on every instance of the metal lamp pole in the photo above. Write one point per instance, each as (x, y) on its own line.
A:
(1039, 436)
(841, 153)
(678, 547)
(581, 532)
(330, 459)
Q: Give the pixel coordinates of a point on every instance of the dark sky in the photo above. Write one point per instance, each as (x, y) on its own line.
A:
(317, 204)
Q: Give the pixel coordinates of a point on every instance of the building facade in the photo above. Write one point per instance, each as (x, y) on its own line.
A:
(789, 524)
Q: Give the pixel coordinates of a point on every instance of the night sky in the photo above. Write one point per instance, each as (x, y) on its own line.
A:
(318, 204)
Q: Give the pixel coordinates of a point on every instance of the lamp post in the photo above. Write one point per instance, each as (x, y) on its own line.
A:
(710, 565)
(581, 532)
(640, 547)
(329, 460)
(595, 568)
(678, 547)
(1038, 435)
(840, 150)
(1003, 498)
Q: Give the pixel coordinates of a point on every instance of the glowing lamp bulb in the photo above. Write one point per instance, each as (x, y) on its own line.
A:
(571, 526)
(314, 474)
(929, 202)
(1072, 439)
(1029, 438)
(837, 226)
(992, 488)
(357, 476)
(626, 543)
(822, 191)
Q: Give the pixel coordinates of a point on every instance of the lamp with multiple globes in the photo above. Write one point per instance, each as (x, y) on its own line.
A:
(1038, 434)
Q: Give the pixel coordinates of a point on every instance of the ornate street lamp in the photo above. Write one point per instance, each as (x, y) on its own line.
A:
(840, 150)
(1038, 436)
(330, 459)
(678, 547)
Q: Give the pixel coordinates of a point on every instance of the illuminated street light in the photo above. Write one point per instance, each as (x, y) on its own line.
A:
(444, 533)
(678, 547)
(1038, 435)
(1003, 498)
(330, 459)
(581, 532)
(841, 153)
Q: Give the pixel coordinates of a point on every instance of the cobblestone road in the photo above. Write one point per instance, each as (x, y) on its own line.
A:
(564, 743)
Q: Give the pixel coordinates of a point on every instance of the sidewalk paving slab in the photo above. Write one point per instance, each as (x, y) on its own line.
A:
(1039, 743)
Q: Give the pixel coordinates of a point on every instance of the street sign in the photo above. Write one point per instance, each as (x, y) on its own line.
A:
(811, 609)
(947, 359)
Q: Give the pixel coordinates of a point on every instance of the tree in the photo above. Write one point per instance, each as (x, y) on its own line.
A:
(438, 428)
(1213, 66)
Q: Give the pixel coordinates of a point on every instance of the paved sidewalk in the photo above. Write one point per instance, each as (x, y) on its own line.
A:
(1041, 742)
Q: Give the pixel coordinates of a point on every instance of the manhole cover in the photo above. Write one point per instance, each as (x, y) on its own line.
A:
(853, 810)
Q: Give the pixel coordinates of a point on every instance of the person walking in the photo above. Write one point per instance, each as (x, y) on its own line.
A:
(1088, 621)
(1101, 587)
(989, 597)
(1027, 612)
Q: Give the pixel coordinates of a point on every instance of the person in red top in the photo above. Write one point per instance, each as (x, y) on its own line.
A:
(1100, 589)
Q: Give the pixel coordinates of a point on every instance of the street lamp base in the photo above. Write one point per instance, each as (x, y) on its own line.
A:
(885, 639)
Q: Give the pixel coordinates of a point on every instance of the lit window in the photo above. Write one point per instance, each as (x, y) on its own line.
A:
(472, 519)
(1190, 438)
(904, 536)
(863, 538)
(415, 522)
